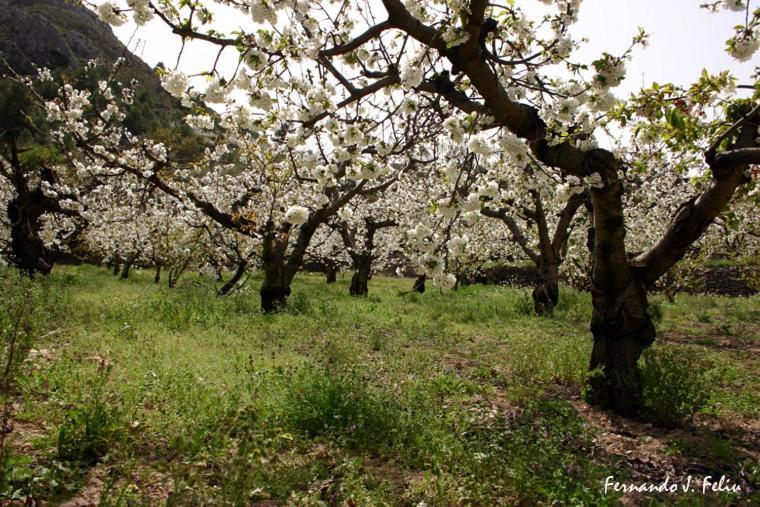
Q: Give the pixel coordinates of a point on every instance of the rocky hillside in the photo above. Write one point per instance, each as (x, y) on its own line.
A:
(61, 35)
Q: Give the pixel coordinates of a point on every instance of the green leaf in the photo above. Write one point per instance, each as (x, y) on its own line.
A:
(675, 119)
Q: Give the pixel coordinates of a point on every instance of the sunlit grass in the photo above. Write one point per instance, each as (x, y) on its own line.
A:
(449, 397)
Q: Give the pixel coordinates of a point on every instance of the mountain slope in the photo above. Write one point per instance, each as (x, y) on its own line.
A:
(62, 36)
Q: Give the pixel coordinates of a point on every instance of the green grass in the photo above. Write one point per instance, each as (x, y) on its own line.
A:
(452, 398)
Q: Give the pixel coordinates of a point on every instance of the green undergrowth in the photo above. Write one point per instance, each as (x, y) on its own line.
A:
(178, 397)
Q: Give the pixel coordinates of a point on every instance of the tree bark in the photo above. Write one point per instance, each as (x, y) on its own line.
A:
(331, 273)
(362, 259)
(157, 277)
(359, 281)
(546, 291)
(622, 330)
(275, 288)
(239, 272)
(28, 251)
(279, 268)
(620, 324)
(127, 267)
(419, 284)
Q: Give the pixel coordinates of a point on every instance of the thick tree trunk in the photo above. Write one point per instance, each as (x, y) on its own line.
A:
(28, 251)
(116, 267)
(279, 268)
(363, 258)
(275, 288)
(239, 272)
(126, 268)
(359, 281)
(419, 284)
(331, 273)
(622, 330)
(157, 277)
(620, 323)
(546, 291)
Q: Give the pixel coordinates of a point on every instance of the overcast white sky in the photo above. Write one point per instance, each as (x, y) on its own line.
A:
(684, 40)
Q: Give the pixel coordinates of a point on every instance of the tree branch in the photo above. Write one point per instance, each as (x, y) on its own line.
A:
(517, 234)
(371, 33)
(562, 231)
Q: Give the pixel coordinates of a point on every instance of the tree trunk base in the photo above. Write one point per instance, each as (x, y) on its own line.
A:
(622, 330)
(545, 298)
(419, 284)
(359, 282)
(358, 287)
(273, 299)
(28, 251)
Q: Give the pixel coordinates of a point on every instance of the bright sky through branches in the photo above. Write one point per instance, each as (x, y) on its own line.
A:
(684, 40)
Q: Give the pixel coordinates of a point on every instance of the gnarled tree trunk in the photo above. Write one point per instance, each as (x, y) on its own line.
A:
(275, 287)
(362, 259)
(549, 254)
(360, 278)
(620, 324)
(546, 292)
(331, 273)
(622, 330)
(28, 251)
(279, 268)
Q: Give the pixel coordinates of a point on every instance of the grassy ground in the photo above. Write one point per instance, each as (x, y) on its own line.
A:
(136, 394)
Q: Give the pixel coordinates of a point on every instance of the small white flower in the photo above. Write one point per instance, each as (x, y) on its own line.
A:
(472, 202)
(594, 180)
(345, 213)
(490, 189)
(411, 76)
(479, 145)
(457, 245)
(296, 215)
(743, 45)
(214, 93)
(261, 12)
(455, 128)
(445, 209)
(454, 36)
(733, 5)
(111, 14)
(174, 82)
